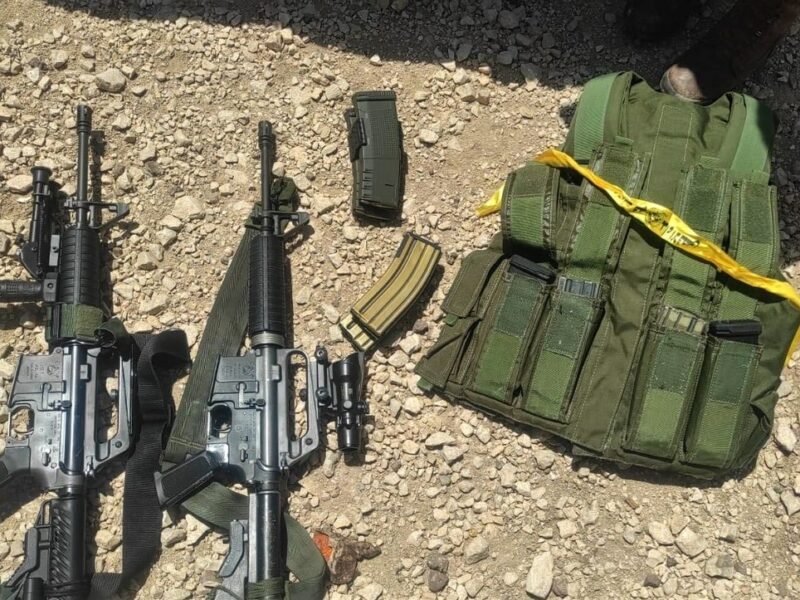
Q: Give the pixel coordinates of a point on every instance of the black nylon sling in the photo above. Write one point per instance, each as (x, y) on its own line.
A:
(161, 358)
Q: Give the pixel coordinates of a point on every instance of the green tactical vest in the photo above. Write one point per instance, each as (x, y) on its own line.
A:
(580, 321)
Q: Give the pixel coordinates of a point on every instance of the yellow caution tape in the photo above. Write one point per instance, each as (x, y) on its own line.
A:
(669, 227)
(492, 204)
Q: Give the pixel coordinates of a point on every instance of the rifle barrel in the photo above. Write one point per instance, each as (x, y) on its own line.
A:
(84, 127)
(267, 147)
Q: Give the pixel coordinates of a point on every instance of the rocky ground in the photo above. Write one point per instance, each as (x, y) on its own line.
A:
(462, 506)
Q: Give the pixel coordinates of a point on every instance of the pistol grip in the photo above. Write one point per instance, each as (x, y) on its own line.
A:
(184, 479)
(4, 474)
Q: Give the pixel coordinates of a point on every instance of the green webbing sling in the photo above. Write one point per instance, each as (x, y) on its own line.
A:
(216, 504)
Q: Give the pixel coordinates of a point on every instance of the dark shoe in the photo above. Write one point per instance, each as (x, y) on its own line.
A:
(735, 48)
(652, 20)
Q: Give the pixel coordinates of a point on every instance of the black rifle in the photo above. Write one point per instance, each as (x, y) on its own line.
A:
(58, 392)
(250, 415)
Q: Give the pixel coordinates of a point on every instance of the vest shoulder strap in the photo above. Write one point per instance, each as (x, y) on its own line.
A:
(589, 124)
(754, 150)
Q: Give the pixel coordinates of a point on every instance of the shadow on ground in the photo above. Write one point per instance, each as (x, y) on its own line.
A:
(566, 42)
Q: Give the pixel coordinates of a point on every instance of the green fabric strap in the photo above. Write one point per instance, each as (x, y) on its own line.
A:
(601, 223)
(755, 145)
(702, 205)
(518, 309)
(527, 214)
(216, 504)
(303, 559)
(671, 147)
(590, 116)
(79, 321)
(222, 336)
(754, 243)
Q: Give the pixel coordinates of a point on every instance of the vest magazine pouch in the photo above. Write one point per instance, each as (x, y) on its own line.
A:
(665, 384)
(443, 359)
(447, 360)
(473, 276)
(575, 311)
(722, 414)
(515, 309)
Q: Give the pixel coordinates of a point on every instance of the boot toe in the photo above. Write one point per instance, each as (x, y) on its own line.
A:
(681, 82)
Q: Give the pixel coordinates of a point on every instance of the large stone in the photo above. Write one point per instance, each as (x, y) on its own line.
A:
(508, 474)
(373, 591)
(660, 533)
(156, 304)
(20, 184)
(438, 439)
(466, 93)
(544, 458)
(540, 576)
(463, 51)
(690, 543)
(437, 562)
(790, 502)
(720, 566)
(413, 405)
(428, 136)
(107, 540)
(274, 41)
(188, 207)
(508, 19)
(452, 453)
(476, 550)
(437, 580)
(111, 80)
(567, 528)
(784, 436)
(172, 536)
(59, 59)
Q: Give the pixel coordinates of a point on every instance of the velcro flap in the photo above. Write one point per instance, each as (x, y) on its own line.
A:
(664, 390)
(722, 401)
(703, 204)
(569, 330)
(518, 307)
